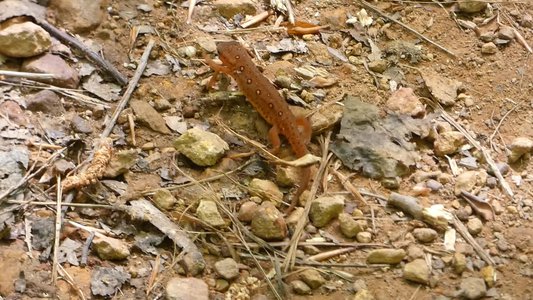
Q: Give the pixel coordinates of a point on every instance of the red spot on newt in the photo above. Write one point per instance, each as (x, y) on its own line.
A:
(265, 98)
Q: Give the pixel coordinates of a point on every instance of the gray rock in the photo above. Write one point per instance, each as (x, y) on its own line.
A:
(80, 125)
(473, 288)
(299, 287)
(474, 226)
(149, 117)
(443, 89)
(487, 36)
(45, 101)
(201, 147)
(425, 235)
(24, 40)
(489, 48)
(350, 227)
(312, 278)
(386, 256)
(207, 211)
(417, 271)
(64, 75)
(179, 288)
(268, 223)
(379, 65)
(79, 16)
(433, 185)
(266, 190)
(227, 268)
(324, 209)
(527, 21)
(164, 199)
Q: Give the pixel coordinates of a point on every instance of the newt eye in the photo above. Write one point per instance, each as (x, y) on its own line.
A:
(258, 92)
(270, 105)
(237, 56)
(241, 68)
(249, 81)
(280, 113)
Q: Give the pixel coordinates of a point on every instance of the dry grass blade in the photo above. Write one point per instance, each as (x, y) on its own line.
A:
(129, 91)
(57, 235)
(27, 75)
(291, 254)
(470, 239)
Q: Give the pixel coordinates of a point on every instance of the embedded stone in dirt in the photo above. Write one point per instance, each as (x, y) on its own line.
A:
(164, 199)
(472, 6)
(312, 278)
(121, 162)
(111, 249)
(268, 223)
(425, 235)
(350, 227)
(489, 48)
(148, 116)
(45, 101)
(443, 89)
(473, 288)
(247, 211)
(78, 15)
(299, 287)
(521, 146)
(64, 75)
(179, 288)
(448, 142)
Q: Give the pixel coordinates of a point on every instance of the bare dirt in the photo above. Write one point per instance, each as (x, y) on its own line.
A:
(500, 84)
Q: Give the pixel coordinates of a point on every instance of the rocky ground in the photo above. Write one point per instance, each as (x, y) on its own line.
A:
(422, 122)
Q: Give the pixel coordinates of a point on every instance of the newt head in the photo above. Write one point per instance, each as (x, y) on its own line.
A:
(230, 53)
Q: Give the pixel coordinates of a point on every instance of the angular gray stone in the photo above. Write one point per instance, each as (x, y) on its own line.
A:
(164, 199)
(425, 235)
(266, 190)
(149, 117)
(312, 278)
(350, 227)
(473, 288)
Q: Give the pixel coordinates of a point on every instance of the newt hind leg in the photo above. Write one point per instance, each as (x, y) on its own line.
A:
(305, 128)
(273, 137)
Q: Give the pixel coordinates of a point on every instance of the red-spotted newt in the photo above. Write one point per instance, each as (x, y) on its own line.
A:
(265, 98)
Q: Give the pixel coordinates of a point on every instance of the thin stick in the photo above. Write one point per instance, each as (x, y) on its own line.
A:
(256, 19)
(470, 239)
(291, 254)
(418, 34)
(329, 254)
(55, 262)
(349, 186)
(132, 129)
(45, 203)
(501, 122)
(26, 75)
(91, 55)
(192, 4)
(129, 91)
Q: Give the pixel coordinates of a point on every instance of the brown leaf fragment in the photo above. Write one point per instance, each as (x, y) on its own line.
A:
(480, 207)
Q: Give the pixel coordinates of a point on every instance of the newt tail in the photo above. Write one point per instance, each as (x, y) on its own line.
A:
(265, 98)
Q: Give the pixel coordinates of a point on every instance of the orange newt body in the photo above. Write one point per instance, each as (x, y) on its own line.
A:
(265, 98)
